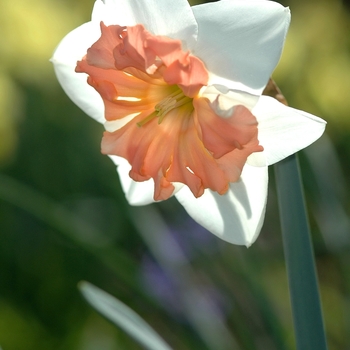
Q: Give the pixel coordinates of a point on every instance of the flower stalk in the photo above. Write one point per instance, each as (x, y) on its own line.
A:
(300, 262)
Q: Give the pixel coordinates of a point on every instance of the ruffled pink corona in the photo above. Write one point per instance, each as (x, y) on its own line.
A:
(171, 133)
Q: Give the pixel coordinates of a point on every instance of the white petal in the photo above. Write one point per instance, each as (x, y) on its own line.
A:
(113, 125)
(167, 17)
(257, 159)
(136, 193)
(241, 41)
(284, 130)
(223, 99)
(72, 48)
(237, 216)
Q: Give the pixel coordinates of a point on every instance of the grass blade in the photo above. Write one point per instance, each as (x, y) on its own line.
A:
(122, 316)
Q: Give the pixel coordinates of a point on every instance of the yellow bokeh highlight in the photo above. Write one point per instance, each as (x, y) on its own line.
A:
(10, 114)
(315, 66)
(30, 31)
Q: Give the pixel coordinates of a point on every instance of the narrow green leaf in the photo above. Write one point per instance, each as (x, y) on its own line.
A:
(122, 316)
(303, 285)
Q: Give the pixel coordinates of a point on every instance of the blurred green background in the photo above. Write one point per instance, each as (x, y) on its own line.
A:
(64, 218)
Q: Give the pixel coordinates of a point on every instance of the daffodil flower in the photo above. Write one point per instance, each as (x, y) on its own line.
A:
(178, 89)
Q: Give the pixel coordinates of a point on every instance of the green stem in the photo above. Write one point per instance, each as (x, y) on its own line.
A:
(303, 285)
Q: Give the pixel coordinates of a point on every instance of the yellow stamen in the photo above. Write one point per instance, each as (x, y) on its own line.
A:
(161, 109)
(147, 119)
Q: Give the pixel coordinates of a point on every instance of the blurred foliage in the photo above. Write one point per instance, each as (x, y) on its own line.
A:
(64, 218)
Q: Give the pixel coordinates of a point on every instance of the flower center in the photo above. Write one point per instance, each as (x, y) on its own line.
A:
(174, 100)
(164, 127)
